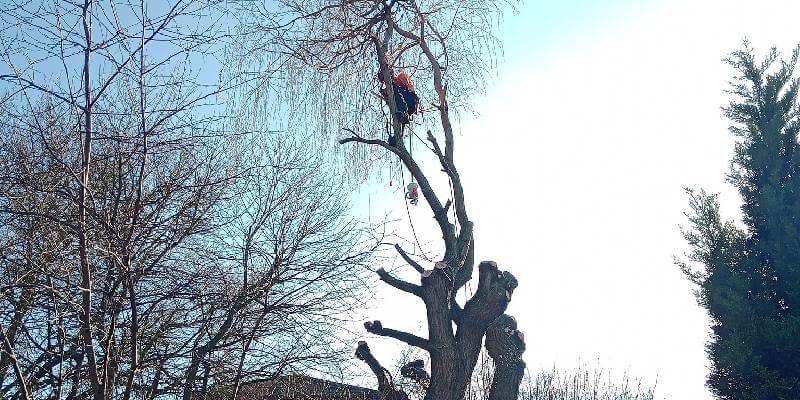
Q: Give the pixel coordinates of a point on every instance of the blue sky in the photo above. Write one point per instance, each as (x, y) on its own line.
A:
(542, 29)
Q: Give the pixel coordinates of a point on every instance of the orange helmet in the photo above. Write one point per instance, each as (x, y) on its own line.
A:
(402, 79)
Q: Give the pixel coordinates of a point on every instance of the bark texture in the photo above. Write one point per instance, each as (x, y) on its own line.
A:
(505, 344)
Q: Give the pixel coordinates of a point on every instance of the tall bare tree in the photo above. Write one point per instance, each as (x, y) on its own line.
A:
(335, 49)
(146, 238)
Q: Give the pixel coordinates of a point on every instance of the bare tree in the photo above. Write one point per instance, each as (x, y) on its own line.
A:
(72, 72)
(335, 50)
(146, 238)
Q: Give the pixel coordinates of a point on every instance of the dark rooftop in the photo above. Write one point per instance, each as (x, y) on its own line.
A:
(295, 387)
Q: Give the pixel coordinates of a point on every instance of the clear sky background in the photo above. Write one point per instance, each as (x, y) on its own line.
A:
(600, 114)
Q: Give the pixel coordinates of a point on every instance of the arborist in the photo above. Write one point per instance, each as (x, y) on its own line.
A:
(405, 99)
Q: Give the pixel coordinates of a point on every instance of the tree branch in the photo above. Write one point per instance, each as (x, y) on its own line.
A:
(399, 283)
(437, 83)
(29, 83)
(385, 384)
(448, 163)
(408, 259)
(23, 388)
(458, 190)
(439, 212)
(438, 151)
(364, 354)
(376, 328)
(466, 259)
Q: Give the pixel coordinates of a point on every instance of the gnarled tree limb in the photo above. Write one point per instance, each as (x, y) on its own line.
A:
(385, 384)
(375, 327)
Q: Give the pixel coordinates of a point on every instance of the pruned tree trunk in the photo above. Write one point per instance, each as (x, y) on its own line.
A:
(455, 333)
(505, 344)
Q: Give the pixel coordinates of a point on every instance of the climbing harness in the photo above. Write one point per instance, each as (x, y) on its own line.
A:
(406, 100)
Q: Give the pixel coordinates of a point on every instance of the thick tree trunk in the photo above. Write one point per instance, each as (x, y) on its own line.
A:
(490, 300)
(436, 294)
(505, 344)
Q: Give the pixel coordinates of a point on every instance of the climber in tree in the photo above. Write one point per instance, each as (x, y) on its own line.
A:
(405, 99)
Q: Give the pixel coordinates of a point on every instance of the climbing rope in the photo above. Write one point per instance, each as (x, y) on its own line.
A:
(453, 206)
(410, 222)
(423, 142)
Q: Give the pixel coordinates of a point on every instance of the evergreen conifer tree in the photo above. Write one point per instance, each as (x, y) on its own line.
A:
(750, 280)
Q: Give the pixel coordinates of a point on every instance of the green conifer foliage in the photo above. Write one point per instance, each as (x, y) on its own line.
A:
(750, 280)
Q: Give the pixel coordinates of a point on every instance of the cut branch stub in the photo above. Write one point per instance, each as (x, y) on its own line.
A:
(398, 283)
(494, 292)
(364, 354)
(362, 351)
(415, 370)
(374, 327)
(505, 344)
(491, 279)
(408, 259)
